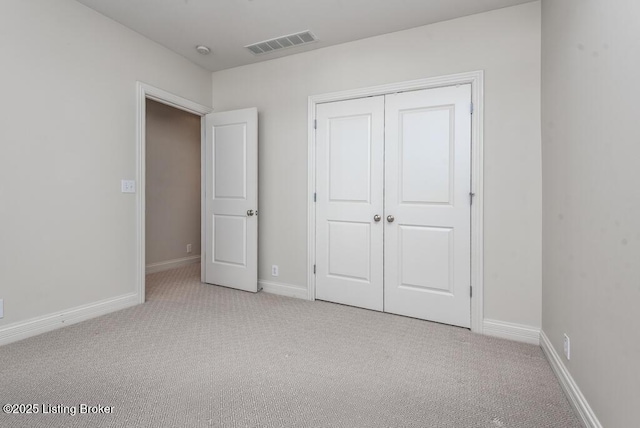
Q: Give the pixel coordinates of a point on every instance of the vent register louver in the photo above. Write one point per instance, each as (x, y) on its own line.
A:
(292, 40)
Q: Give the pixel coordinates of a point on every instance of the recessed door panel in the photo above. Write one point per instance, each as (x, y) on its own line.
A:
(350, 158)
(230, 161)
(347, 240)
(426, 155)
(349, 180)
(426, 258)
(229, 240)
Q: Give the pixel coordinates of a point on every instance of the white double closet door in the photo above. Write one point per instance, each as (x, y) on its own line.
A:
(393, 209)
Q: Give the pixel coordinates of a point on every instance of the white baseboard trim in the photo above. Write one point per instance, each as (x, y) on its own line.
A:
(284, 289)
(35, 326)
(171, 264)
(570, 387)
(512, 331)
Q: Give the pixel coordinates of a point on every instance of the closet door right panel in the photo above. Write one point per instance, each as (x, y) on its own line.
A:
(427, 245)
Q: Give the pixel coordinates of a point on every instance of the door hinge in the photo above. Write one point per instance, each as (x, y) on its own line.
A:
(315, 197)
(314, 269)
(315, 124)
(470, 291)
(471, 195)
(471, 108)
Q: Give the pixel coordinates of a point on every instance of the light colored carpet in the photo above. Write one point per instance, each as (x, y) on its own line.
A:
(197, 355)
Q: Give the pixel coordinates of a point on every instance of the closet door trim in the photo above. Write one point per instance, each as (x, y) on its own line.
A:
(476, 79)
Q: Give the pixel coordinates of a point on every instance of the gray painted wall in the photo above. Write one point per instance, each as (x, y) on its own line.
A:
(69, 136)
(172, 183)
(505, 44)
(591, 198)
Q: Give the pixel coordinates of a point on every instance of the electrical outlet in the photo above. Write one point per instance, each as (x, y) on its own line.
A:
(274, 270)
(1, 308)
(567, 347)
(189, 248)
(128, 186)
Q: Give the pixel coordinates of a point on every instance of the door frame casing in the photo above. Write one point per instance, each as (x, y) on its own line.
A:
(145, 91)
(476, 79)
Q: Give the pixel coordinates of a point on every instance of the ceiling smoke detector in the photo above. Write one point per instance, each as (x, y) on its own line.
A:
(282, 42)
(203, 50)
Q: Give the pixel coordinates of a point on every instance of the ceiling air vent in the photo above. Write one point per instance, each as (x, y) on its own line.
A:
(292, 40)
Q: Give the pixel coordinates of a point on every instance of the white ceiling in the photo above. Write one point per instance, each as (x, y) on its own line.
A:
(226, 26)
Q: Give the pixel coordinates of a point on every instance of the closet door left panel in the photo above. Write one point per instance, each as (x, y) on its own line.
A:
(349, 202)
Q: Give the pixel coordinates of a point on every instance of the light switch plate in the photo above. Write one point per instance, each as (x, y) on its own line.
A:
(128, 186)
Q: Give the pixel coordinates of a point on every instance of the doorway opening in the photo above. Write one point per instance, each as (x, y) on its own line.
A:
(172, 187)
(166, 108)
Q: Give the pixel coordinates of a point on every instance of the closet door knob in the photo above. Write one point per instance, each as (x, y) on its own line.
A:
(250, 213)
(390, 218)
(376, 218)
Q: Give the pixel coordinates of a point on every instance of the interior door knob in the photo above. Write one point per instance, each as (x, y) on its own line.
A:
(250, 213)
(376, 218)
(390, 218)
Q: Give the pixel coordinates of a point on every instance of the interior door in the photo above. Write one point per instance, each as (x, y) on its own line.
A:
(349, 202)
(231, 250)
(427, 205)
